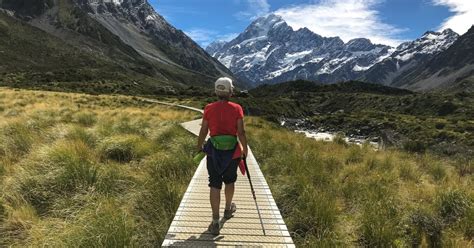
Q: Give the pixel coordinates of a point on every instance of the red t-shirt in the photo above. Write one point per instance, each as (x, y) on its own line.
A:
(222, 117)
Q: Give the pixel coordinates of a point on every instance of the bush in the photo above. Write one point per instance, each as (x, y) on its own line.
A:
(467, 224)
(453, 205)
(424, 229)
(414, 146)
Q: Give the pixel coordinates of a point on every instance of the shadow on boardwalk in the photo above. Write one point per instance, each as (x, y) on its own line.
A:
(205, 239)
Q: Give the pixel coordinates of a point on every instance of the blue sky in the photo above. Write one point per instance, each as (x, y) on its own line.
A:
(383, 21)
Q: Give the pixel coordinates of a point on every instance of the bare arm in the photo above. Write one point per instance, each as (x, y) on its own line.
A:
(202, 134)
(242, 136)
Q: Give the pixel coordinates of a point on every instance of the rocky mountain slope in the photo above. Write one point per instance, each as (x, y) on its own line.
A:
(270, 51)
(408, 56)
(126, 33)
(453, 69)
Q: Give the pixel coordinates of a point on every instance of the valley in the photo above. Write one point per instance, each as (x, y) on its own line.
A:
(361, 144)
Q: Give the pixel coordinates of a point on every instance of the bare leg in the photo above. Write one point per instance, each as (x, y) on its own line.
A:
(229, 194)
(215, 197)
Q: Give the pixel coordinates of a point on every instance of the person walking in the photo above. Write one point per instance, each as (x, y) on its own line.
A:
(225, 148)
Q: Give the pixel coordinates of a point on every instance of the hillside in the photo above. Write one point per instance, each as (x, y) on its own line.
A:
(142, 49)
(452, 69)
(34, 58)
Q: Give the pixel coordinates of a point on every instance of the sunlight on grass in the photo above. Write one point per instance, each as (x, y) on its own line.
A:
(89, 171)
(332, 194)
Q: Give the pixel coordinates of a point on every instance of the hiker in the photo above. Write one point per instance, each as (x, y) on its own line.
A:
(224, 120)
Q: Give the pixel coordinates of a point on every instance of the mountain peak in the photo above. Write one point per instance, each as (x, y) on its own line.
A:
(266, 23)
(359, 44)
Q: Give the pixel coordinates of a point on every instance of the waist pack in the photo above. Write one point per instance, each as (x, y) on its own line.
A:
(224, 142)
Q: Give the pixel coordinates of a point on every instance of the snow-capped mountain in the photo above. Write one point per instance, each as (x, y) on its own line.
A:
(270, 51)
(408, 56)
(451, 70)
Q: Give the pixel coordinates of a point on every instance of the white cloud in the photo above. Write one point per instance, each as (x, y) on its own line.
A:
(347, 19)
(255, 9)
(205, 36)
(463, 17)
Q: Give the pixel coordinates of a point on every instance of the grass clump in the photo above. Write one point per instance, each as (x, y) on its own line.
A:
(17, 139)
(86, 119)
(104, 224)
(76, 161)
(453, 205)
(124, 148)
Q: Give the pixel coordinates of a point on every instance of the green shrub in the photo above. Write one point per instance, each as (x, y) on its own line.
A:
(414, 146)
(424, 229)
(453, 205)
(467, 224)
(86, 119)
(124, 148)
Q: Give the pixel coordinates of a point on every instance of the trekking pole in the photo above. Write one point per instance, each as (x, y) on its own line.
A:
(253, 193)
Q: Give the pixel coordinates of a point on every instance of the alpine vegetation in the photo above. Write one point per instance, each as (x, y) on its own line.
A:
(89, 171)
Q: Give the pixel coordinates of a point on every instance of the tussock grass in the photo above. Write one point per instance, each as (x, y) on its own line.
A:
(124, 148)
(89, 171)
(332, 194)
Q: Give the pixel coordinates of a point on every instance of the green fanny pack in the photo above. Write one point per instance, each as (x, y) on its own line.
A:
(224, 142)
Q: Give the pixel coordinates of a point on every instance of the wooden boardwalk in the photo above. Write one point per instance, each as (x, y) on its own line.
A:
(189, 226)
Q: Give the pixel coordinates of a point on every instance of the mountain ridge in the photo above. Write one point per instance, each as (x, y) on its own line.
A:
(270, 51)
(126, 32)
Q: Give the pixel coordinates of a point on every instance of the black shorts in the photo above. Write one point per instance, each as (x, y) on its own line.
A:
(229, 176)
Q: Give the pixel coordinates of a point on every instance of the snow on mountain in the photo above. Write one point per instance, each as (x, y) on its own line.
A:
(270, 51)
(410, 55)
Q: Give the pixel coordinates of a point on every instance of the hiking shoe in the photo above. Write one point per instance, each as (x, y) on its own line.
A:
(214, 228)
(229, 213)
